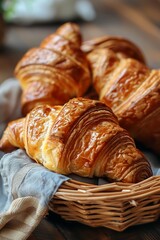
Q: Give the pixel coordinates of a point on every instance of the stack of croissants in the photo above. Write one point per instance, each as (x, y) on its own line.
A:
(83, 104)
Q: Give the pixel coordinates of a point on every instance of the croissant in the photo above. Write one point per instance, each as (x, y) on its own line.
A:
(55, 71)
(81, 137)
(132, 90)
(122, 47)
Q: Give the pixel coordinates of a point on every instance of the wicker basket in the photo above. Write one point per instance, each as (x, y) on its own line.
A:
(116, 205)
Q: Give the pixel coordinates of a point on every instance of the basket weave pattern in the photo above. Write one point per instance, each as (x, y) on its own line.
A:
(115, 205)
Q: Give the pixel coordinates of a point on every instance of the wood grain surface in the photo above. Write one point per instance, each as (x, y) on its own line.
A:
(138, 21)
(55, 228)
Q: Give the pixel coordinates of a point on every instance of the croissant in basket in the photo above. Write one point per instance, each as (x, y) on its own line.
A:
(55, 71)
(130, 88)
(81, 137)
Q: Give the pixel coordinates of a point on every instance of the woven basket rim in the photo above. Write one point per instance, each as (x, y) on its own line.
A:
(114, 205)
(73, 189)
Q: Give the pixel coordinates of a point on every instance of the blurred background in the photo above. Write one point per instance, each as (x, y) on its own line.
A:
(24, 23)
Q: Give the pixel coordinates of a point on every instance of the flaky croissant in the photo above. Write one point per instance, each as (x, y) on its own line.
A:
(132, 90)
(55, 71)
(81, 137)
(121, 46)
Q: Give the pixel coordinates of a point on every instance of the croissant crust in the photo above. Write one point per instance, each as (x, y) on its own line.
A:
(55, 71)
(124, 83)
(121, 46)
(82, 137)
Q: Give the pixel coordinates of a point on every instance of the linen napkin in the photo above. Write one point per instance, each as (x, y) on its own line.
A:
(26, 187)
(10, 93)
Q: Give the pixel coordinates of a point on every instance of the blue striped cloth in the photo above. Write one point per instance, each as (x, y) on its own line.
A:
(21, 177)
(25, 186)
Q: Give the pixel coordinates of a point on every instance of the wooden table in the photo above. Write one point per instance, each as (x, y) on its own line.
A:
(138, 21)
(54, 228)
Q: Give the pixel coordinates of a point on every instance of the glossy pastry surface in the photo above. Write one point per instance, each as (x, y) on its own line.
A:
(124, 48)
(55, 71)
(132, 90)
(82, 137)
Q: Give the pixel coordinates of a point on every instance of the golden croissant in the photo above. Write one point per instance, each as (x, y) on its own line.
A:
(131, 89)
(81, 137)
(121, 46)
(55, 71)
